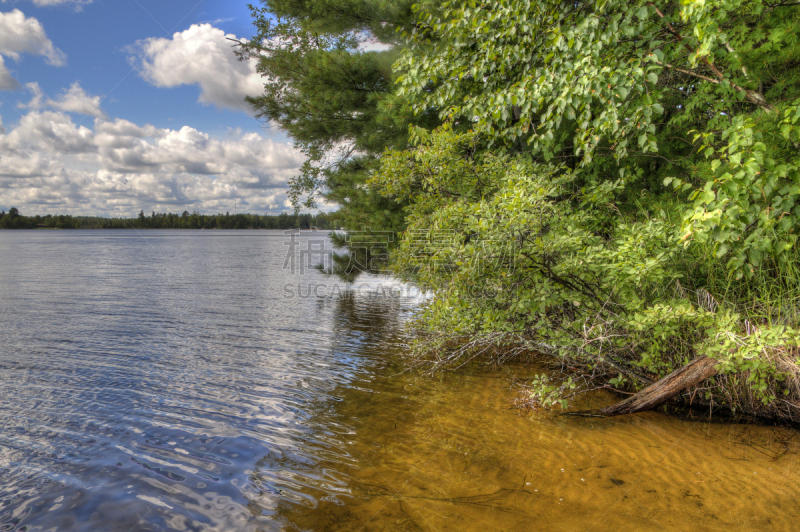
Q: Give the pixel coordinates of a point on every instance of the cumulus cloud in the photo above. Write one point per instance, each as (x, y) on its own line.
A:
(23, 35)
(48, 163)
(20, 35)
(74, 100)
(201, 56)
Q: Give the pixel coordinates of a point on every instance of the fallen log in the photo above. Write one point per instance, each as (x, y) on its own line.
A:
(660, 391)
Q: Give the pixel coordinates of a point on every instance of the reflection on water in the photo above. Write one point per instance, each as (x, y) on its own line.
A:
(148, 380)
(165, 381)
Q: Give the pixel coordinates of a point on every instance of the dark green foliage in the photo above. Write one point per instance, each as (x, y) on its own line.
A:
(381, 18)
(185, 220)
(14, 220)
(335, 101)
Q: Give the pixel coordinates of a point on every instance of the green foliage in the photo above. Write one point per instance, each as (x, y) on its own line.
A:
(13, 219)
(549, 221)
(542, 392)
(378, 17)
(513, 246)
(552, 73)
(749, 206)
(748, 351)
(578, 80)
(615, 183)
(334, 100)
(613, 88)
(195, 220)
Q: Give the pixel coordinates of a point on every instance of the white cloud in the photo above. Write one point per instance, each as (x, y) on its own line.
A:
(374, 46)
(7, 81)
(23, 35)
(368, 43)
(220, 21)
(74, 100)
(41, 135)
(48, 163)
(202, 56)
(20, 34)
(77, 3)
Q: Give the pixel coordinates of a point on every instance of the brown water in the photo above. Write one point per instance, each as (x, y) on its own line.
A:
(454, 455)
(180, 381)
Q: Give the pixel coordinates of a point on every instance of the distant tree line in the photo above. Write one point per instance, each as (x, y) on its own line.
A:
(13, 219)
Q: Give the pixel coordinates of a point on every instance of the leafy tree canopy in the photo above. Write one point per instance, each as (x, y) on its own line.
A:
(380, 18)
(548, 225)
(625, 92)
(613, 182)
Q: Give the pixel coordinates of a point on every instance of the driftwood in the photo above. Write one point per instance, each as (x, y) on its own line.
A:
(660, 391)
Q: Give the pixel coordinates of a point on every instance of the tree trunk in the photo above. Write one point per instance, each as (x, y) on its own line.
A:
(660, 391)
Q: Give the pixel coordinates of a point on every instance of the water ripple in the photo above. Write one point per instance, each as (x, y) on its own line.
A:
(167, 382)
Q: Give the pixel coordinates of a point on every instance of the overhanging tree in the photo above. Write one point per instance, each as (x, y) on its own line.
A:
(592, 106)
(336, 101)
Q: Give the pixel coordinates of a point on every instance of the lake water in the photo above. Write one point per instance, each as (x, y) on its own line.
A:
(181, 380)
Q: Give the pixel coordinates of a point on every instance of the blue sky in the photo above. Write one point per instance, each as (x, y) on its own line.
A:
(108, 107)
(95, 39)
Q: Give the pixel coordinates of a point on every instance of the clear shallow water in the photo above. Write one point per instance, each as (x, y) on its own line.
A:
(182, 381)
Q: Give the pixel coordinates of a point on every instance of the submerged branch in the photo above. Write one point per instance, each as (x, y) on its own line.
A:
(661, 391)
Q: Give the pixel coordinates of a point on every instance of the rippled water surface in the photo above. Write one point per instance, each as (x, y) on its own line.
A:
(173, 380)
